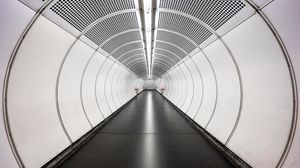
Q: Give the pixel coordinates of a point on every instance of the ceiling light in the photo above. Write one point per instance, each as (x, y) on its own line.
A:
(148, 31)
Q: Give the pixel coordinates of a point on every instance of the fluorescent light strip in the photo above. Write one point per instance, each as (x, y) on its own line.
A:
(148, 31)
(140, 25)
(155, 30)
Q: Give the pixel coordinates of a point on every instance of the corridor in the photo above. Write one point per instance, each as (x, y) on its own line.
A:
(149, 83)
(148, 133)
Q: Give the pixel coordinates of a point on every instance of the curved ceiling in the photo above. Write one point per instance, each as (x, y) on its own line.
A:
(179, 29)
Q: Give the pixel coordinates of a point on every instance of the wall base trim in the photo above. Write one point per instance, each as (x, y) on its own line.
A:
(70, 150)
(224, 150)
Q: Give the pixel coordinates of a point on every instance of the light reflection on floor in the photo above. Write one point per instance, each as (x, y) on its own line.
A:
(150, 150)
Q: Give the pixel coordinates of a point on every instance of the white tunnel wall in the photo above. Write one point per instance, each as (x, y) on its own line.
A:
(267, 93)
(71, 111)
(31, 103)
(283, 15)
(59, 88)
(10, 32)
(206, 105)
(247, 96)
(189, 90)
(228, 86)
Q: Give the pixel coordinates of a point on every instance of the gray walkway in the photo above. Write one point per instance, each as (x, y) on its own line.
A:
(148, 133)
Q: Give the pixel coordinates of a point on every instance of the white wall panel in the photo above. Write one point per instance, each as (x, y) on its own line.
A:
(139, 84)
(157, 84)
(175, 87)
(172, 91)
(125, 88)
(14, 17)
(260, 3)
(198, 89)
(88, 89)
(189, 87)
(33, 4)
(267, 94)
(284, 15)
(182, 82)
(31, 93)
(131, 86)
(121, 87)
(100, 86)
(69, 98)
(179, 95)
(108, 87)
(115, 82)
(228, 102)
(160, 84)
(168, 87)
(209, 94)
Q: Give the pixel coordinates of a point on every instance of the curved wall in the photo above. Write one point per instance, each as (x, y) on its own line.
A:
(57, 90)
(247, 96)
(238, 87)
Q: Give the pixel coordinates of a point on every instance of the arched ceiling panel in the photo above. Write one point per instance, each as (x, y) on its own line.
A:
(159, 71)
(113, 25)
(141, 72)
(183, 25)
(132, 58)
(128, 54)
(121, 40)
(162, 61)
(137, 65)
(135, 62)
(141, 69)
(213, 13)
(164, 57)
(183, 43)
(118, 26)
(80, 14)
(162, 65)
(117, 53)
(174, 49)
(160, 68)
(166, 53)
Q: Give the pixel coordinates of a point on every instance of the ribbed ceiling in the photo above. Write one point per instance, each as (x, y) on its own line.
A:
(184, 25)
(80, 14)
(115, 27)
(111, 26)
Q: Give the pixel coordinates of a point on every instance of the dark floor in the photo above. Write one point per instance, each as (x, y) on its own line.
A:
(148, 133)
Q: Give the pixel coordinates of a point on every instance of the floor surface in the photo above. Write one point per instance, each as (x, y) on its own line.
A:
(148, 133)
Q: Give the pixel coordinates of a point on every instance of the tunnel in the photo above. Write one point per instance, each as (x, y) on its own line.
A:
(149, 83)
